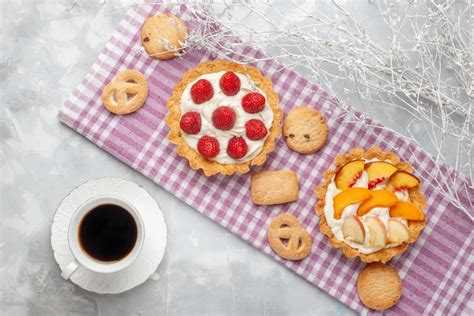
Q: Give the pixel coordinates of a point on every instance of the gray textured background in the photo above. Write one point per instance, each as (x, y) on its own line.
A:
(46, 47)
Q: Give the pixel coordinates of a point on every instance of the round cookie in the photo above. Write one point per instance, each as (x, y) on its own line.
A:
(305, 130)
(126, 93)
(379, 287)
(164, 36)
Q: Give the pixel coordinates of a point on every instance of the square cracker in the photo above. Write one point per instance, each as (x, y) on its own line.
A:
(274, 187)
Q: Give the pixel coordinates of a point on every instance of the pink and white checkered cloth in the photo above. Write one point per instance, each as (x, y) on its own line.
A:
(437, 271)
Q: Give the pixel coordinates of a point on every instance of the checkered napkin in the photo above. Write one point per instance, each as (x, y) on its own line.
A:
(437, 271)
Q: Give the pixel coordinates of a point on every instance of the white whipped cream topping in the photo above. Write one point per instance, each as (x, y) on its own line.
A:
(381, 212)
(235, 102)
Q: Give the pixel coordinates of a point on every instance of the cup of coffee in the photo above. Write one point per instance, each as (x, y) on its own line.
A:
(106, 235)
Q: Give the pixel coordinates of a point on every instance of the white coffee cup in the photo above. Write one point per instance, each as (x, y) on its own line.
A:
(81, 258)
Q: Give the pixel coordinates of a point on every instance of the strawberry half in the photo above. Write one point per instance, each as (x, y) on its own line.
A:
(255, 129)
(190, 123)
(202, 91)
(230, 83)
(208, 147)
(237, 147)
(253, 102)
(223, 118)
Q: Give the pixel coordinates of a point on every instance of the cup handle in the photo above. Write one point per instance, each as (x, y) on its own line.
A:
(70, 269)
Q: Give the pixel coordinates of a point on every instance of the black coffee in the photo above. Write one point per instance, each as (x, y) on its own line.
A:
(108, 232)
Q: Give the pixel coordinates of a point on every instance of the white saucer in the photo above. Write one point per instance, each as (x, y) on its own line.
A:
(153, 247)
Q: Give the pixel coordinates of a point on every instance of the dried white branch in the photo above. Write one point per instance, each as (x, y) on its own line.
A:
(426, 70)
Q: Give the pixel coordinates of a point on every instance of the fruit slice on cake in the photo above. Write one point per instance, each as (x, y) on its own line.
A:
(397, 232)
(347, 176)
(407, 210)
(378, 233)
(401, 180)
(378, 171)
(378, 198)
(348, 197)
(353, 230)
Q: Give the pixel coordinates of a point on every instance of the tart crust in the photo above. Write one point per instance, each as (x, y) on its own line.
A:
(196, 161)
(416, 197)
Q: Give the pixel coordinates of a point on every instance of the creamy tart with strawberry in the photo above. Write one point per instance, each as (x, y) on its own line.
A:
(371, 205)
(224, 117)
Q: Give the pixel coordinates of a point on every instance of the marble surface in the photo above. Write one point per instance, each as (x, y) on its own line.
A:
(46, 47)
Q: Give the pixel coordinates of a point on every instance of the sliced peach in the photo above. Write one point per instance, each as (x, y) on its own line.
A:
(378, 198)
(401, 180)
(348, 197)
(407, 210)
(378, 171)
(397, 232)
(347, 176)
(378, 233)
(353, 230)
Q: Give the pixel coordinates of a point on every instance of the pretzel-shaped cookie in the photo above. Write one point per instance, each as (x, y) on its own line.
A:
(288, 239)
(126, 94)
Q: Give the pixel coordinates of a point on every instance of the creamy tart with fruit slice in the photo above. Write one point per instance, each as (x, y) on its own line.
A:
(371, 205)
(224, 117)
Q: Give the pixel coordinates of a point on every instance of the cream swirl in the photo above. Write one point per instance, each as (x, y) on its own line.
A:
(207, 108)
